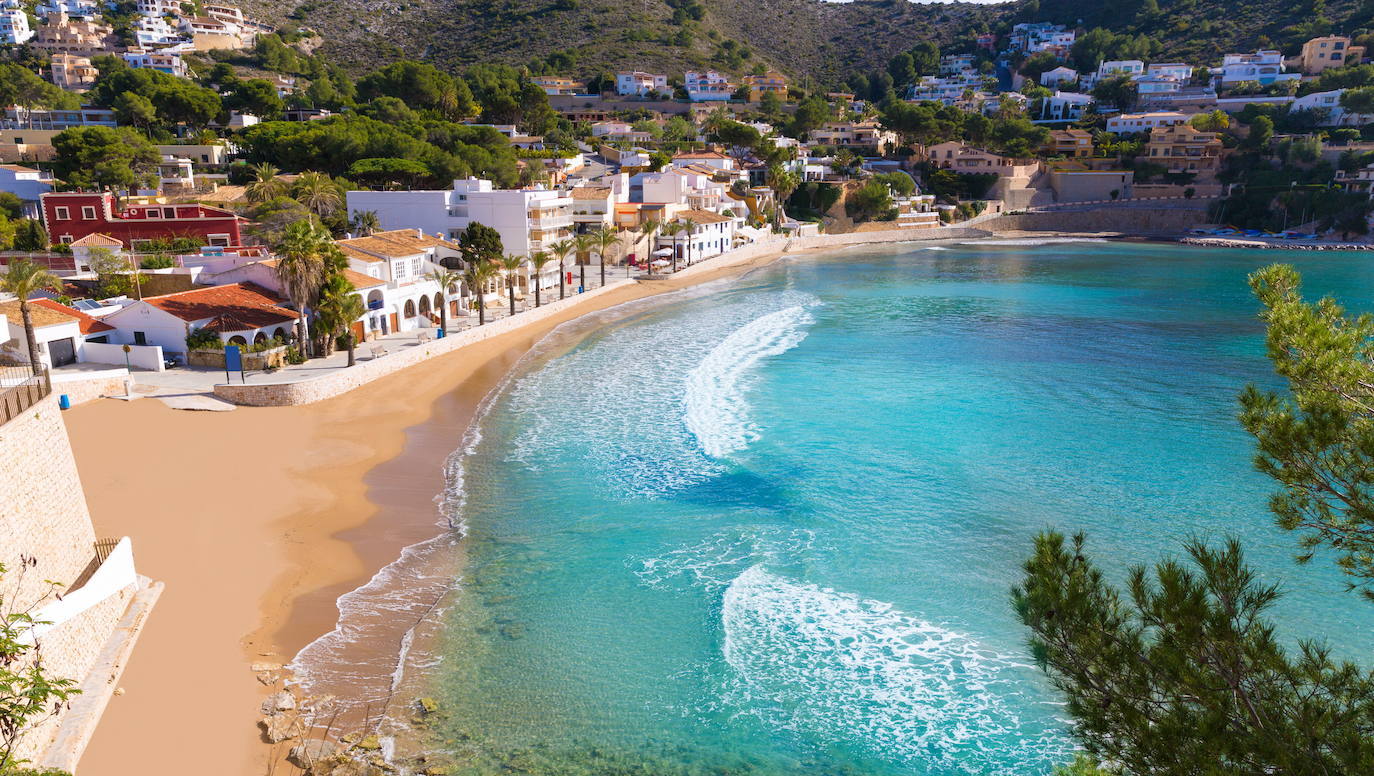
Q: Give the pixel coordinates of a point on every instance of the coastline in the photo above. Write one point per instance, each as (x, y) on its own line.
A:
(259, 519)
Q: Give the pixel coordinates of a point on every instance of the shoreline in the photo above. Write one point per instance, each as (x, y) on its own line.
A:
(260, 519)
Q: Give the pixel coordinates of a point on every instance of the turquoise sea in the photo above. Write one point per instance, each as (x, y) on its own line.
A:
(770, 526)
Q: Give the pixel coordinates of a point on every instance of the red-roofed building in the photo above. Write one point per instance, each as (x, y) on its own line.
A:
(241, 313)
(72, 215)
(61, 331)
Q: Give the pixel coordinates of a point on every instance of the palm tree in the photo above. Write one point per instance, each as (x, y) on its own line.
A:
(604, 238)
(338, 308)
(318, 192)
(673, 229)
(585, 244)
(538, 260)
(648, 228)
(365, 222)
(561, 249)
(476, 278)
(23, 278)
(265, 184)
(446, 278)
(511, 264)
(301, 267)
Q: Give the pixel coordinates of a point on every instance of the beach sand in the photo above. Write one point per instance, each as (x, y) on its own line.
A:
(257, 520)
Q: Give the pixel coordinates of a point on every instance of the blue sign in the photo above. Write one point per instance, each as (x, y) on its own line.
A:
(233, 360)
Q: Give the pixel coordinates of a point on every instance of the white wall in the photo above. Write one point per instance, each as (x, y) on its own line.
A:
(160, 328)
(141, 356)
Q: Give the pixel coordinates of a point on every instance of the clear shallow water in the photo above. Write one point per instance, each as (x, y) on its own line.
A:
(772, 528)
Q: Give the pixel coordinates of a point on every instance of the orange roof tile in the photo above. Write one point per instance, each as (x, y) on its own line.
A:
(89, 325)
(240, 303)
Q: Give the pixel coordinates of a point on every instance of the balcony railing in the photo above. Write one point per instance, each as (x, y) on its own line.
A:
(20, 389)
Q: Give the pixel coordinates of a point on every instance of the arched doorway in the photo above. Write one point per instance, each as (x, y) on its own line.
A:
(237, 340)
(259, 339)
(409, 310)
(424, 306)
(279, 335)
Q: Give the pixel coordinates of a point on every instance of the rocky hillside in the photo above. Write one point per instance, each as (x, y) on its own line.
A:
(823, 40)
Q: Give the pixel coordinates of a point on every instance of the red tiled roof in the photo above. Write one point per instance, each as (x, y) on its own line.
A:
(89, 325)
(246, 305)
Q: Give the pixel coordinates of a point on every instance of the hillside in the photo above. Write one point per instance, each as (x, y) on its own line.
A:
(821, 40)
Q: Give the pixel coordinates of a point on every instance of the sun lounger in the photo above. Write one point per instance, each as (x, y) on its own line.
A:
(378, 350)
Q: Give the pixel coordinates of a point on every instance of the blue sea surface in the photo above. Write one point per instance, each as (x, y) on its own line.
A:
(771, 527)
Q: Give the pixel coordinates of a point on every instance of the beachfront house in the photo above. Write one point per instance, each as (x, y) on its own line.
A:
(240, 313)
(709, 234)
(402, 259)
(60, 331)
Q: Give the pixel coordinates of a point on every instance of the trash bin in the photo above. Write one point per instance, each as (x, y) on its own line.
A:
(64, 401)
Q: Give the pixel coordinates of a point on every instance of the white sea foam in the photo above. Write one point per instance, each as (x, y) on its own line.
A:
(717, 412)
(841, 670)
(716, 560)
(620, 406)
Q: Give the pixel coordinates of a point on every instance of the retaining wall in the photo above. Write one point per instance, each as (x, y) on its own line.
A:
(81, 387)
(1118, 218)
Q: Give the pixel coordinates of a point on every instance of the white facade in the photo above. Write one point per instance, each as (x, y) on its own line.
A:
(709, 85)
(527, 219)
(1330, 103)
(1265, 67)
(26, 183)
(1144, 122)
(14, 23)
(1063, 106)
(640, 84)
(1060, 75)
(710, 235)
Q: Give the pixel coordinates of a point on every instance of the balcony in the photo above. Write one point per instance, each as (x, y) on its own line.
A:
(549, 221)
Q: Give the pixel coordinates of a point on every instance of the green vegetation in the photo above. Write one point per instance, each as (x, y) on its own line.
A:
(28, 693)
(1181, 671)
(104, 158)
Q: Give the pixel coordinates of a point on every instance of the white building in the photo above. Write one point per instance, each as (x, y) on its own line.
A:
(709, 85)
(1265, 67)
(159, 7)
(165, 61)
(1178, 70)
(1041, 36)
(153, 31)
(956, 64)
(1330, 105)
(1060, 75)
(1063, 106)
(14, 23)
(26, 183)
(691, 187)
(60, 331)
(240, 313)
(710, 234)
(639, 84)
(1144, 122)
(527, 219)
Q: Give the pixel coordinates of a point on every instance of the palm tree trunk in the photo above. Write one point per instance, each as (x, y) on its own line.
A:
(34, 363)
(351, 342)
(562, 276)
(510, 292)
(443, 312)
(602, 254)
(582, 276)
(481, 312)
(301, 336)
(675, 254)
(537, 302)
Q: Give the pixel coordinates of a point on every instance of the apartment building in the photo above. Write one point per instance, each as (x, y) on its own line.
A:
(1326, 52)
(527, 219)
(69, 216)
(164, 61)
(14, 23)
(73, 73)
(1182, 148)
(15, 117)
(1144, 122)
(636, 83)
(64, 34)
(1264, 67)
(709, 85)
(771, 82)
(557, 84)
(1070, 143)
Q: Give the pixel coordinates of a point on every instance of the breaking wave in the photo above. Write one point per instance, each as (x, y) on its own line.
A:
(717, 413)
(845, 672)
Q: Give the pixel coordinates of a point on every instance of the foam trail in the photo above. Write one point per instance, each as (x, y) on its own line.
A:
(716, 411)
(844, 671)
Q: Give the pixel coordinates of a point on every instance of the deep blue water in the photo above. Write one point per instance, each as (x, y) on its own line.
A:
(772, 526)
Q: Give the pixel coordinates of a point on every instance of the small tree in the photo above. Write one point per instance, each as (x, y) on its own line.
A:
(338, 308)
(23, 278)
(446, 279)
(28, 694)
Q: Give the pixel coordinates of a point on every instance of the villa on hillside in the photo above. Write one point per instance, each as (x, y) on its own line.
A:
(1182, 148)
(958, 157)
(70, 215)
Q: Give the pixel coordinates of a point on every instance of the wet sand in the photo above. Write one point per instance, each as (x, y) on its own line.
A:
(258, 519)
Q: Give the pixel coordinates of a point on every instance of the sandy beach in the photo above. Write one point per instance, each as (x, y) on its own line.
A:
(258, 519)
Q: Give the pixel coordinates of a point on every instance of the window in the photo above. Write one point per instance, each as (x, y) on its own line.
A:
(398, 269)
(169, 212)
(88, 213)
(65, 239)
(61, 213)
(140, 338)
(415, 267)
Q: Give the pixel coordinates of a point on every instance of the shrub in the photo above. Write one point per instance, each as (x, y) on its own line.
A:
(294, 356)
(203, 339)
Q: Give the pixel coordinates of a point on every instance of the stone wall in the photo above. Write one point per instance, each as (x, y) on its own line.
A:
(81, 387)
(46, 534)
(1123, 218)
